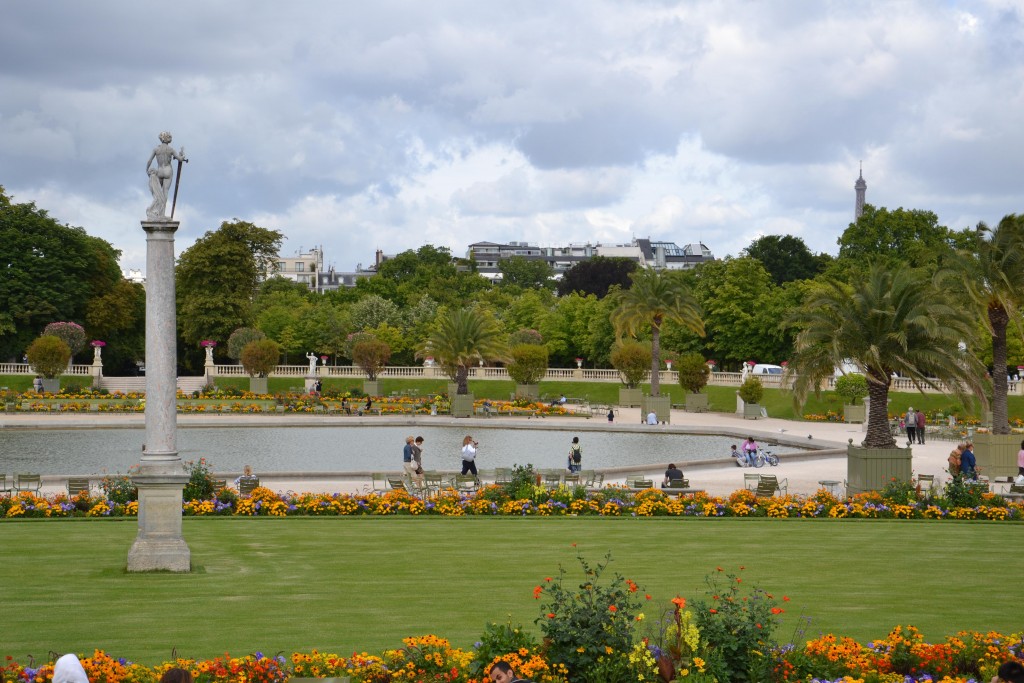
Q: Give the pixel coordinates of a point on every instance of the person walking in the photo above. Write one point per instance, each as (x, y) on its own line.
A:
(417, 457)
(920, 427)
(611, 414)
(409, 463)
(911, 419)
(575, 455)
(469, 448)
(968, 464)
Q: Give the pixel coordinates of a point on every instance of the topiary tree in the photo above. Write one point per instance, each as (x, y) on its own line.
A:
(240, 337)
(633, 361)
(372, 355)
(529, 363)
(525, 336)
(852, 388)
(49, 356)
(751, 390)
(260, 357)
(71, 334)
(693, 372)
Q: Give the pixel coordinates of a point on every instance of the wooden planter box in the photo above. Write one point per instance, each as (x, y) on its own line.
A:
(371, 387)
(997, 454)
(871, 469)
(855, 414)
(258, 385)
(51, 386)
(660, 405)
(751, 411)
(696, 403)
(630, 398)
(462, 405)
(527, 390)
(453, 388)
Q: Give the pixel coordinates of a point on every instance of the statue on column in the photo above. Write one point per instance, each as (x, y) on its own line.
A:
(312, 357)
(160, 176)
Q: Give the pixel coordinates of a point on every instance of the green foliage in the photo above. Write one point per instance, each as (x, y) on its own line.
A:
(521, 483)
(586, 622)
(372, 356)
(260, 357)
(71, 334)
(736, 296)
(240, 338)
(462, 338)
(525, 336)
(596, 276)
(200, 484)
(694, 372)
(529, 363)
(851, 387)
(786, 258)
(118, 315)
(964, 493)
(497, 641)
(374, 310)
(738, 625)
(119, 488)
(897, 492)
(519, 271)
(633, 361)
(751, 390)
(49, 356)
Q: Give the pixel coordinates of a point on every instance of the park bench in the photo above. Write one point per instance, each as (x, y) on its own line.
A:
(27, 482)
(768, 485)
(5, 490)
(246, 485)
(77, 485)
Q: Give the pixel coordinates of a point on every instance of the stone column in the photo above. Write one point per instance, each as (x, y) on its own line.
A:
(160, 478)
(209, 367)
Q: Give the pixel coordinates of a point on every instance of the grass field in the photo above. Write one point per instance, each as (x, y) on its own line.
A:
(345, 584)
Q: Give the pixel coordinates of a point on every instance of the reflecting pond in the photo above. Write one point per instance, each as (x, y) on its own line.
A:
(349, 448)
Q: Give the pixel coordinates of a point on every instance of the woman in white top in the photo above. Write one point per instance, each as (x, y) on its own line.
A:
(469, 455)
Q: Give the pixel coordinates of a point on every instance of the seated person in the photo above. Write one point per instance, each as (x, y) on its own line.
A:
(558, 401)
(673, 473)
(750, 450)
(247, 476)
(652, 418)
(735, 454)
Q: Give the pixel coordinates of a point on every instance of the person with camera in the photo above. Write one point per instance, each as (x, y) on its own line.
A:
(469, 455)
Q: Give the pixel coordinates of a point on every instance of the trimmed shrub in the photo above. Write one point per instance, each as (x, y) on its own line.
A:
(49, 356)
(259, 358)
(633, 361)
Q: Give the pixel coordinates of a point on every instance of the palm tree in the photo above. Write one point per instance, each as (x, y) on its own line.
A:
(654, 298)
(462, 339)
(894, 321)
(992, 276)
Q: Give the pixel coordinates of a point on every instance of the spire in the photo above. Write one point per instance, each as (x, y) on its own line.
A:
(861, 187)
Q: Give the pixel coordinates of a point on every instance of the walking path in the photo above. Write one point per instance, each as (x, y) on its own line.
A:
(718, 477)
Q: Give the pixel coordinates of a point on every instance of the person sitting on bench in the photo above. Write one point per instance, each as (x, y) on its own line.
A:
(673, 473)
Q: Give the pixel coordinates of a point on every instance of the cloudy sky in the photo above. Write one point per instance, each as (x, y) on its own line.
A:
(389, 125)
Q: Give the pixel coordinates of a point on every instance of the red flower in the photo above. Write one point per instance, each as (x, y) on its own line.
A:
(758, 625)
(632, 586)
(551, 615)
(537, 591)
(613, 608)
(713, 611)
(785, 598)
(777, 610)
(647, 596)
(548, 579)
(718, 569)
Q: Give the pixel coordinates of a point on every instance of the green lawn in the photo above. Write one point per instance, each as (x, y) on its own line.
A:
(340, 584)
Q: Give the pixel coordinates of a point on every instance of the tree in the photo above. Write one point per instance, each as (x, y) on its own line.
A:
(652, 299)
(633, 361)
(218, 278)
(430, 270)
(519, 271)
(461, 339)
(49, 356)
(119, 316)
(992, 276)
(597, 275)
(528, 364)
(260, 357)
(48, 272)
(71, 334)
(786, 258)
(693, 372)
(372, 310)
(751, 390)
(525, 336)
(372, 356)
(734, 294)
(240, 338)
(896, 320)
(851, 388)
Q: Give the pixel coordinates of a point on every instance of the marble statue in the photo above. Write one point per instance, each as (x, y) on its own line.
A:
(312, 362)
(160, 176)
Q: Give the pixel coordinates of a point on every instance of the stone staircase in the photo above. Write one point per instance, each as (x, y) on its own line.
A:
(138, 384)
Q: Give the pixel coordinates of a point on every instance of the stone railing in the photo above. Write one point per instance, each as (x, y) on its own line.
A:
(26, 369)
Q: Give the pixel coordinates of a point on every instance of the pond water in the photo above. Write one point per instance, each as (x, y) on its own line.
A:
(348, 448)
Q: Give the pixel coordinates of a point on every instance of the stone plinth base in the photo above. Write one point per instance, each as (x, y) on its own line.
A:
(159, 545)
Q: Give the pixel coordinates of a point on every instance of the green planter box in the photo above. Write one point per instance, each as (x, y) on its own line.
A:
(371, 387)
(453, 388)
(871, 469)
(660, 405)
(997, 454)
(258, 385)
(855, 414)
(527, 390)
(51, 386)
(751, 411)
(462, 405)
(630, 398)
(696, 403)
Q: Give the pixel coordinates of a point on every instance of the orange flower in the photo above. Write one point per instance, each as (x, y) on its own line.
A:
(647, 596)
(551, 615)
(777, 610)
(613, 608)
(679, 602)
(785, 598)
(548, 579)
(536, 592)
(713, 611)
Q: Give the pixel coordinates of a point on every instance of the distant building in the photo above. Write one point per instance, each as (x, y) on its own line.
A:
(301, 268)
(861, 188)
(649, 254)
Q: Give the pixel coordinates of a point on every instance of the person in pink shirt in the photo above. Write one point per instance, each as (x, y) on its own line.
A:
(750, 450)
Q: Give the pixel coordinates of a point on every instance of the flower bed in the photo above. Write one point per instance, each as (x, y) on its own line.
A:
(495, 500)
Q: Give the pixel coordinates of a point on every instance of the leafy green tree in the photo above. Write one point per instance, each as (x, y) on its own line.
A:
(118, 316)
(751, 390)
(734, 295)
(218, 278)
(260, 357)
(71, 334)
(50, 272)
(519, 271)
(461, 339)
(372, 310)
(49, 356)
(326, 325)
(896, 320)
(786, 258)
(526, 337)
(240, 338)
(992, 276)
(652, 299)
(528, 364)
(597, 276)
(694, 372)
(429, 270)
(851, 388)
(372, 356)
(633, 361)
